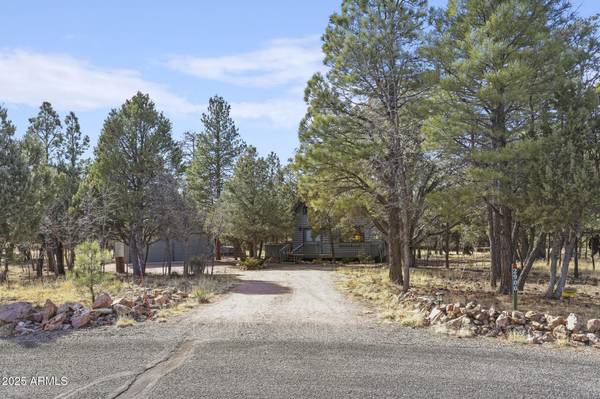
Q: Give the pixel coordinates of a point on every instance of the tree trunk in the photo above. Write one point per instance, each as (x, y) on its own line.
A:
(576, 258)
(217, 248)
(332, 244)
(494, 246)
(506, 250)
(447, 245)
(557, 244)
(395, 250)
(260, 250)
(564, 270)
(50, 262)
(407, 261)
(538, 244)
(60, 259)
(135, 258)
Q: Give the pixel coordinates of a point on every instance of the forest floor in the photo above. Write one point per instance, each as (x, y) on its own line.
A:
(467, 280)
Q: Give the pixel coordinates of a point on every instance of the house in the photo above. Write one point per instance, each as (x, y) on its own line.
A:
(198, 245)
(306, 244)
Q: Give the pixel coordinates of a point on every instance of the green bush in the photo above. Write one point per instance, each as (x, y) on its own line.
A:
(202, 296)
(252, 264)
(89, 259)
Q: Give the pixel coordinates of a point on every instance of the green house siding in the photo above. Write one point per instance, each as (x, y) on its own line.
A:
(306, 245)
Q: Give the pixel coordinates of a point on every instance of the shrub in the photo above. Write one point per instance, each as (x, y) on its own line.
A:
(89, 260)
(202, 296)
(252, 264)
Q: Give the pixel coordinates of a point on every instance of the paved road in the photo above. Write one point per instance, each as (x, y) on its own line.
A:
(288, 333)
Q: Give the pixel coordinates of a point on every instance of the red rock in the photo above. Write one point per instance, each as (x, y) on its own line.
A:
(13, 312)
(55, 323)
(81, 320)
(593, 325)
(102, 301)
(125, 302)
(49, 310)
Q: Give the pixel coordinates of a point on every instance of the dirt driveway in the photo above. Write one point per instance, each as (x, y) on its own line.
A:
(286, 294)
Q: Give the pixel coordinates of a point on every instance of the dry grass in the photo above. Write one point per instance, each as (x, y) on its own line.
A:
(36, 291)
(468, 279)
(125, 322)
(60, 290)
(516, 337)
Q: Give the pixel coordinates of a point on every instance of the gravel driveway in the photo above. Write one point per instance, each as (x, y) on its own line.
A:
(288, 333)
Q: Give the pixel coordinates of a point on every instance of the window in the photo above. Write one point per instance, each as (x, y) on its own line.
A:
(308, 236)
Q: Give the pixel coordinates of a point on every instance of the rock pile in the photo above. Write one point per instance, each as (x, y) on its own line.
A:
(22, 318)
(471, 319)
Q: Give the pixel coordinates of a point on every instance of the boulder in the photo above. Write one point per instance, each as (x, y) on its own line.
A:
(49, 310)
(574, 323)
(122, 310)
(503, 321)
(493, 313)
(554, 322)
(55, 323)
(560, 332)
(69, 307)
(580, 338)
(538, 326)
(102, 301)
(38, 317)
(535, 338)
(452, 310)
(518, 317)
(593, 339)
(593, 325)
(140, 310)
(13, 312)
(535, 316)
(125, 302)
(95, 313)
(435, 315)
(81, 320)
(459, 323)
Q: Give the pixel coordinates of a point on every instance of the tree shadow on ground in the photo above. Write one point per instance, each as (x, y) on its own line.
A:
(257, 287)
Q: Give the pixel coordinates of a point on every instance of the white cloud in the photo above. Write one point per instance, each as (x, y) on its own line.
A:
(30, 78)
(280, 62)
(285, 113)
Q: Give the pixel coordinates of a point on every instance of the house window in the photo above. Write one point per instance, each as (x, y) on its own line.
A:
(308, 236)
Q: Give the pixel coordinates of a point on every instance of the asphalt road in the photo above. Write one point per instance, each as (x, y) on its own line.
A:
(287, 334)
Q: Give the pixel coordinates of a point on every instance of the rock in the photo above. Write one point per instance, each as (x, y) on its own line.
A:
(554, 322)
(580, 337)
(481, 315)
(123, 311)
(503, 321)
(593, 338)
(534, 338)
(459, 323)
(125, 302)
(38, 317)
(471, 305)
(161, 300)
(13, 312)
(140, 310)
(69, 307)
(538, 326)
(49, 310)
(55, 323)
(493, 313)
(560, 332)
(535, 316)
(518, 317)
(593, 325)
(102, 301)
(95, 313)
(547, 337)
(435, 315)
(453, 310)
(81, 320)
(574, 323)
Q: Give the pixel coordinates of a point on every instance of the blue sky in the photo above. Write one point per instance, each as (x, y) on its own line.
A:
(90, 56)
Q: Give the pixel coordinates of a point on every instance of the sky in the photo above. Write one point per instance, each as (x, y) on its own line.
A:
(89, 57)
